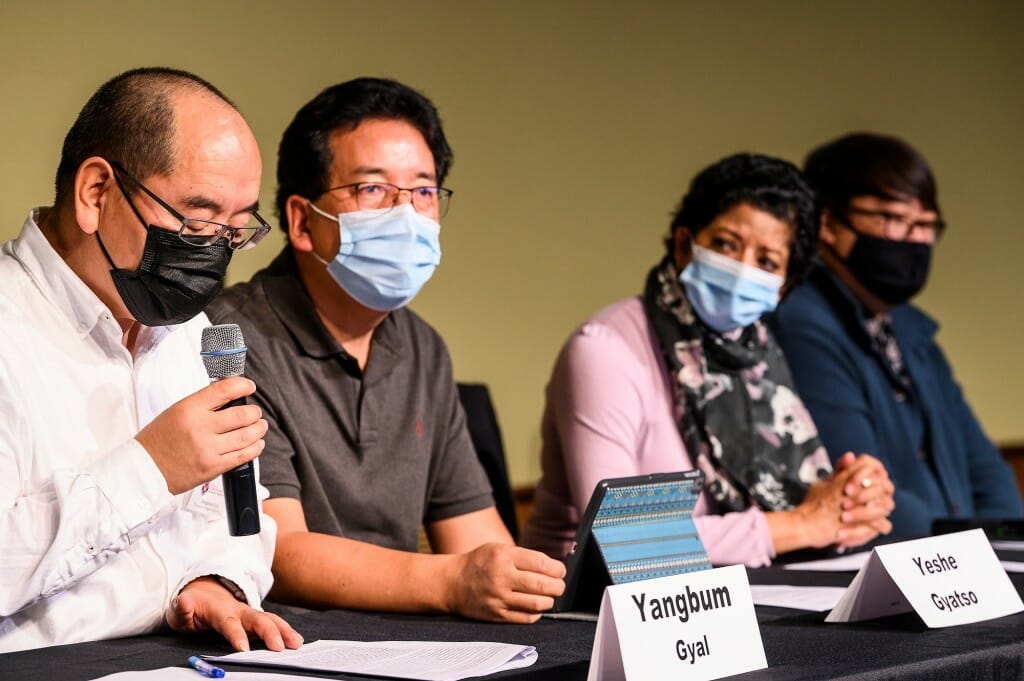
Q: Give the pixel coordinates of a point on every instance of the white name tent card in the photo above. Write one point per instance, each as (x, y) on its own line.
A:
(948, 579)
(695, 626)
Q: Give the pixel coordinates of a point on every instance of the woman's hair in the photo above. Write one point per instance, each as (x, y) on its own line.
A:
(862, 164)
(766, 183)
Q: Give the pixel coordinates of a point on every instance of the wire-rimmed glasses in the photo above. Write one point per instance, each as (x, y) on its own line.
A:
(897, 227)
(376, 195)
(195, 231)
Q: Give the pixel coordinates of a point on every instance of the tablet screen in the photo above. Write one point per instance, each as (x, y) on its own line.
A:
(634, 528)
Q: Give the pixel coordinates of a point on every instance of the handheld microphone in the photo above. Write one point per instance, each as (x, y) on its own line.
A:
(223, 353)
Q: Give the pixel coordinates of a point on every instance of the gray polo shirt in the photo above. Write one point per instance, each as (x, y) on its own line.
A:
(370, 455)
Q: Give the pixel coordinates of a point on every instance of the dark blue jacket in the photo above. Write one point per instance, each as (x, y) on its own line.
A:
(849, 392)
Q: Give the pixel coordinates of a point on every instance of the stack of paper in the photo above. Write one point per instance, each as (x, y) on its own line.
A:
(817, 598)
(430, 661)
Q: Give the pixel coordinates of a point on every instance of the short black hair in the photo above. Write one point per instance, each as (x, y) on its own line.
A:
(304, 158)
(864, 163)
(129, 119)
(766, 183)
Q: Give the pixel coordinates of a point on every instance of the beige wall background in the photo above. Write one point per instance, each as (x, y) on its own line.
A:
(576, 128)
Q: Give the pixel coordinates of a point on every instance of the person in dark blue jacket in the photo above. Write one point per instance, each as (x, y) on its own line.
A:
(865, 360)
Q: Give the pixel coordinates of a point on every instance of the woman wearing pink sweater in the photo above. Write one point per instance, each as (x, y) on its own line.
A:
(687, 376)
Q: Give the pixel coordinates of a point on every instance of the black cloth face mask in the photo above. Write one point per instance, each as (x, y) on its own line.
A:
(893, 271)
(175, 281)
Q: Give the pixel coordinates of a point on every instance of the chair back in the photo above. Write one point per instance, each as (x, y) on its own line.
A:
(486, 436)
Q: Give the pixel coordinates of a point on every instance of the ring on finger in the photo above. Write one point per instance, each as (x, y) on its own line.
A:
(865, 483)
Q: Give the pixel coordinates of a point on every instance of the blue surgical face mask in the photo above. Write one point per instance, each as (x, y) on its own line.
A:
(725, 293)
(386, 255)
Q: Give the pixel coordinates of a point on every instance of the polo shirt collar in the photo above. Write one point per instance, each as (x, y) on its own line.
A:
(293, 306)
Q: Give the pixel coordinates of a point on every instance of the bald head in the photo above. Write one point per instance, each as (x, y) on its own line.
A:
(132, 119)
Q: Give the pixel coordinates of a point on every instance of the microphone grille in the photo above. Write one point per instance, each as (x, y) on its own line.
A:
(223, 351)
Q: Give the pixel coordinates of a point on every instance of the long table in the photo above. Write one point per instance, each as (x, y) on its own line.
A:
(798, 644)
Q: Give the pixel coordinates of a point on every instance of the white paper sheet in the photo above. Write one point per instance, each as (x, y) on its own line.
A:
(818, 598)
(425, 660)
(1009, 545)
(182, 674)
(851, 562)
(854, 561)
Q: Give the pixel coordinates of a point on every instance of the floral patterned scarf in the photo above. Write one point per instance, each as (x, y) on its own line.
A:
(735, 404)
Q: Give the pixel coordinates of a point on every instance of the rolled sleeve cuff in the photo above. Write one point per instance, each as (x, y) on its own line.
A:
(251, 587)
(134, 486)
(737, 538)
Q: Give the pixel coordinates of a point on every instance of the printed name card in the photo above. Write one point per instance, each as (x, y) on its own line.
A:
(948, 579)
(698, 626)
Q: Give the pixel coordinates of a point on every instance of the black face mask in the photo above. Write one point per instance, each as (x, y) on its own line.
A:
(174, 282)
(893, 271)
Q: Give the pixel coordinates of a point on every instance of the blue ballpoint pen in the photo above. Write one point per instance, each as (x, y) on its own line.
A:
(205, 668)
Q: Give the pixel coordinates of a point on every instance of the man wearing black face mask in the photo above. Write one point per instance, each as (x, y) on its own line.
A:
(109, 430)
(865, 361)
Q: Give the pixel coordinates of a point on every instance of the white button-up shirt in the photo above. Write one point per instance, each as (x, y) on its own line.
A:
(92, 545)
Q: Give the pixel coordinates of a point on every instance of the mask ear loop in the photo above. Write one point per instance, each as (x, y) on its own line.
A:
(105, 253)
(319, 259)
(313, 252)
(131, 204)
(842, 221)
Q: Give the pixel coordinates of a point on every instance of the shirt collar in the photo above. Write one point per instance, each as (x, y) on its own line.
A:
(293, 306)
(65, 289)
(57, 281)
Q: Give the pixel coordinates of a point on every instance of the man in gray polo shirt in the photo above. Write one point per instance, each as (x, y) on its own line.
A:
(367, 439)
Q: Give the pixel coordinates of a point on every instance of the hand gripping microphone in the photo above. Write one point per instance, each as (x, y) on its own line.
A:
(223, 356)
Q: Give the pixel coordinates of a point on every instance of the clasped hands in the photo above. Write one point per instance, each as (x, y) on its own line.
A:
(851, 506)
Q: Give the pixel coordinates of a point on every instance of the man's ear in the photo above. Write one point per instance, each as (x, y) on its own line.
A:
(92, 189)
(296, 209)
(826, 233)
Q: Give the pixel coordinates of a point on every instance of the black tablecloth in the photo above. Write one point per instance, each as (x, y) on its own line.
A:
(563, 648)
(798, 644)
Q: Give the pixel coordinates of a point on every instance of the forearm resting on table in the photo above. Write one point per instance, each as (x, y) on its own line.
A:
(790, 531)
(319, 570)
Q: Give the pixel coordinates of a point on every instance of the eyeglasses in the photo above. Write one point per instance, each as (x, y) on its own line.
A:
(377, 195)
(897, 227)
(194, 231)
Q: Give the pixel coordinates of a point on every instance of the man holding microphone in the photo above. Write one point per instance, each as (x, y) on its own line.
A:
(110, 433)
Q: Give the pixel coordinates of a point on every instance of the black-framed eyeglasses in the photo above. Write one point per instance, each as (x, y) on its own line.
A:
(897, 227)
(194, 231)
(377, 195)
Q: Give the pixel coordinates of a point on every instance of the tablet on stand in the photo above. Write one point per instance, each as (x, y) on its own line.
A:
(634, 528)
